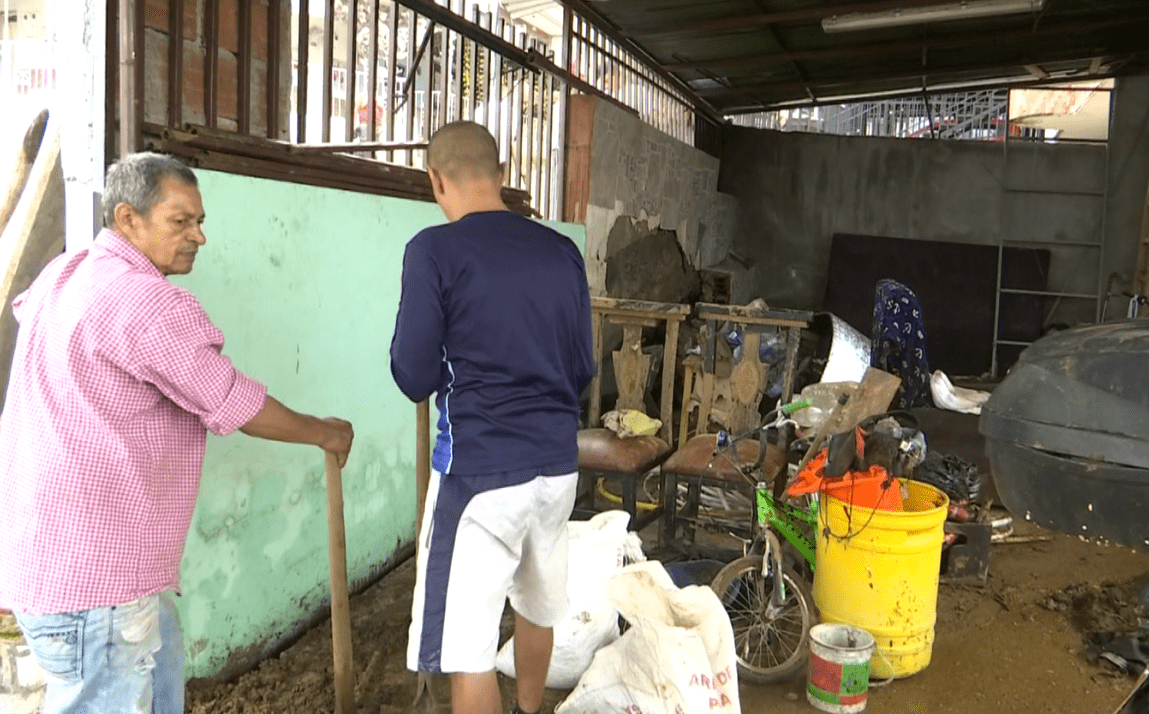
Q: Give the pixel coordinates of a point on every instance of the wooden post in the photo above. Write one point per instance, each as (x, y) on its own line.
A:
(422, 461)
(340, 601)
(669, 362)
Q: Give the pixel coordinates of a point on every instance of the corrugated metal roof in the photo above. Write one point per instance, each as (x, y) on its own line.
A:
(746, 55)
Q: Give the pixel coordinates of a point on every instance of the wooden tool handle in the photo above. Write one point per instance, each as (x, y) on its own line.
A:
(340, 601)
(422, 461)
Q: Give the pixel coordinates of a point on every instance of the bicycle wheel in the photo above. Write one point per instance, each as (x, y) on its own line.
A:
(771, 643)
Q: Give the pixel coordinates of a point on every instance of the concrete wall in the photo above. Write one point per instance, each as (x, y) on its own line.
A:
(795, 191)
(1128, 177)
(619, 167)
(304, 283)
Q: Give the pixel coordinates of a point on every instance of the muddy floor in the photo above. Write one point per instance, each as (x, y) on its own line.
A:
(1016, 645)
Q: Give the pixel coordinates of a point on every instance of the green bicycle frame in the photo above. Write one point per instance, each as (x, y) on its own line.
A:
(788, 520)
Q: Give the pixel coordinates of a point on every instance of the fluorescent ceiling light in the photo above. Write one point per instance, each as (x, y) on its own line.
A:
(966, 10)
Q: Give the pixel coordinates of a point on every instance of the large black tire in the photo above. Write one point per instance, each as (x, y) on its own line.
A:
(770, 646)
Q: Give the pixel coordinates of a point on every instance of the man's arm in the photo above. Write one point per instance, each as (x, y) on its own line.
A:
(278, 423)
(420, 327)
(180, 354)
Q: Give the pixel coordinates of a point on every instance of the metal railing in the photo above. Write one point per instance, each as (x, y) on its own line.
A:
(611, 69)
(375, 79)
(966, 116)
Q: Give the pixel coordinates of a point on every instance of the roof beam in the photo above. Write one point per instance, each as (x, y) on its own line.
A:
(741, 22)
(894, 47)
(1018, 82)
(1036, 71)
(853, 79)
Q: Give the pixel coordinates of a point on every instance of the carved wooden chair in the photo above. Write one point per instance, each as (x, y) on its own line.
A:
(725, 393)
(601, 452)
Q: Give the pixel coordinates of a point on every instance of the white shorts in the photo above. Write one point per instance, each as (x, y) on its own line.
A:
(482, 542)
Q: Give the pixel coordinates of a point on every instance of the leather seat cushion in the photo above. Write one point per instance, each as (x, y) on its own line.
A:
(602, 450)
(695, 457)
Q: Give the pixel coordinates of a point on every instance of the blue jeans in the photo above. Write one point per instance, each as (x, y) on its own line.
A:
(124, 659)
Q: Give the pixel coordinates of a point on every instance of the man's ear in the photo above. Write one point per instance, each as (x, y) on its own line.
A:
(436, 180)
(125, 215)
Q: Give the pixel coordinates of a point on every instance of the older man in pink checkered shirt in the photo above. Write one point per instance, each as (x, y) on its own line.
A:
(117, 376)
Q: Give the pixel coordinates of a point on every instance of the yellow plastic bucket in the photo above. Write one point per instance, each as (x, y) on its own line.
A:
(878, 570)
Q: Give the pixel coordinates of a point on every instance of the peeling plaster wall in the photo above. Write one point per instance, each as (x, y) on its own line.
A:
(304, 284)
(629, 168)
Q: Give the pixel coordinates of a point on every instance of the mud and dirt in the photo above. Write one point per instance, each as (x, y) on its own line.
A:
(1016, 645)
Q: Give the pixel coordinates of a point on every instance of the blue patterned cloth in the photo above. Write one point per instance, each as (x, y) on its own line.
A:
(899, 342)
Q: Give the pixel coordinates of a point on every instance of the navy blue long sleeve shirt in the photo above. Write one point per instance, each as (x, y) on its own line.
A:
(495, 318)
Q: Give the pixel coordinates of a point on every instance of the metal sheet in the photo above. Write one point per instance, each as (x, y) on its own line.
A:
(849, 353)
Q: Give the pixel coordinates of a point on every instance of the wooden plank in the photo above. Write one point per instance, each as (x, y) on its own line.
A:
(355, 146)
(631, 368)
(211, 63)
(34, 234)
(687, 395)
(873, 396)
(579, 127)
(705, 400)
(627, 305)
(751, 315)
(273, 89)
(243, 68)
(596, 382)
(624, 319)
(175, 62)
(25, 158)
(669, 361)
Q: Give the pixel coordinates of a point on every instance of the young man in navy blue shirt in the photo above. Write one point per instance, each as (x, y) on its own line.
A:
(495, 320)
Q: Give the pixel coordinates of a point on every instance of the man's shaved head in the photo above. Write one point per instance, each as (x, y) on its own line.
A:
(464, 150)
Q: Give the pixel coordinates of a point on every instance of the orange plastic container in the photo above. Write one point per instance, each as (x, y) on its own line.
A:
(864, 489)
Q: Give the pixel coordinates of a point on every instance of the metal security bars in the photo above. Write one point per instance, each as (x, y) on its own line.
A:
(293, 84)
(415, 65)
(605, 65)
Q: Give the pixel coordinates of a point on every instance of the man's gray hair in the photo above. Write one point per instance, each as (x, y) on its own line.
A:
(135, 180)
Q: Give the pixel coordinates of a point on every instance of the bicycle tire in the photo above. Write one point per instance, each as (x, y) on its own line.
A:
(785, 634)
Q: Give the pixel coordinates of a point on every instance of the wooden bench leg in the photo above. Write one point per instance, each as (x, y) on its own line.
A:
(690, 510)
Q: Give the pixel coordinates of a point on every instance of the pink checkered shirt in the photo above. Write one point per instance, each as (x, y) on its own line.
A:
(116, 378)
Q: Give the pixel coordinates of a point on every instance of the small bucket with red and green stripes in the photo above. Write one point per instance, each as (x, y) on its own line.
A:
(838, 676)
